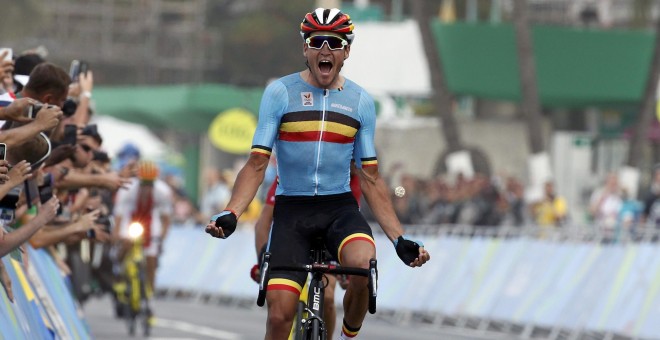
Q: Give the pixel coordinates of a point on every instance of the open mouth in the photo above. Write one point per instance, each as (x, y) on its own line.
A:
(325, 66)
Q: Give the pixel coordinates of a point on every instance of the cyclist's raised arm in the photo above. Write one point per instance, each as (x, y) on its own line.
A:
(273, 104)
(247, 183)
(378, 197)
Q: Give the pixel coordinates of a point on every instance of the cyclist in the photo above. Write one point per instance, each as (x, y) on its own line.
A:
(147, 200)
(318, 121)
(262, 229)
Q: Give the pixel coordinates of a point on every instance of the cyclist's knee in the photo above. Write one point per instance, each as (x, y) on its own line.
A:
(281, 306)
(357, 259)
(357, 254)
(329, 297)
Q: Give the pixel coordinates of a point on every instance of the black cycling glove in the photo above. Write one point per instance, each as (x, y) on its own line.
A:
(226, 220)
(408, 250)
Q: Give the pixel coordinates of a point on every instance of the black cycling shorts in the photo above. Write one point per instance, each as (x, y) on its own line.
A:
(298, 220)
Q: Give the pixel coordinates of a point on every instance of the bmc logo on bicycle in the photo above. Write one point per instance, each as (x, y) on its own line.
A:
(317, 298)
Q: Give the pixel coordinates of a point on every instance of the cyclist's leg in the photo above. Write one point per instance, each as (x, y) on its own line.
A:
(152, 263)
(151, 255)
(288, 244)
(282, 304)
(356, 299)
(350, 235)
(329, 310)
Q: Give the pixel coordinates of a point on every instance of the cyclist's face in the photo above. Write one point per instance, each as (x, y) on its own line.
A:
(325, 63)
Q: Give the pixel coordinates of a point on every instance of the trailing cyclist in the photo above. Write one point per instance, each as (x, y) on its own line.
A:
(318, 121)
(148, 201)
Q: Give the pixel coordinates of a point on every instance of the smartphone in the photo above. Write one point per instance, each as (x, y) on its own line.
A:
(46, 189)
(84, 67)
(10, 53)
(33, 110)
(3, 151)
(31, 192)
(74, 70)
(11, 198)
(70, 134)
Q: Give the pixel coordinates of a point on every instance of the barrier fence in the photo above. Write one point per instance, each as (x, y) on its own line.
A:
(569, 285)
(43, 306)
(575, 285)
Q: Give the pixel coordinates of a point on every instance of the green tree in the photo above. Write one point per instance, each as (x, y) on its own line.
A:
(263, 43)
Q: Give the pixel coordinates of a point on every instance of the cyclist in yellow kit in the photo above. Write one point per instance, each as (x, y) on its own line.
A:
(146, 200)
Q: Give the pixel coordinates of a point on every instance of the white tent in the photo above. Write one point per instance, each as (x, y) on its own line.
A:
(117, 133)
(387, 58)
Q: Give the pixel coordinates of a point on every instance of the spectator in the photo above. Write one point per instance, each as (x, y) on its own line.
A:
(551, 211)
(651, 213)
(605, 204)
(628, 218)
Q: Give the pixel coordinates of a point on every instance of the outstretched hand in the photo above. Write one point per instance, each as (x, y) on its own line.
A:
(222, 225)
(412, 253)
(214, 230)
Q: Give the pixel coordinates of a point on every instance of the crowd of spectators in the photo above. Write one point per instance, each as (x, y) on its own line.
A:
(477, 201)
(56, 183)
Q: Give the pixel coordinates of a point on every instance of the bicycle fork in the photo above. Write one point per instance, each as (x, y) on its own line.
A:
(314, 324)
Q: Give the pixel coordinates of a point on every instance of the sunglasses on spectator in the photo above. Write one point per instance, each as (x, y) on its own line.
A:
(334, 43)
(86, 147)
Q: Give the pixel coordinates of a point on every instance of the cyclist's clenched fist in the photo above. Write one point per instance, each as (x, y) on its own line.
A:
(222, 225)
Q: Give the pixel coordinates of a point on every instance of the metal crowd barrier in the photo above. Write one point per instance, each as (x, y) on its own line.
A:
(43, 306)
(563, 283)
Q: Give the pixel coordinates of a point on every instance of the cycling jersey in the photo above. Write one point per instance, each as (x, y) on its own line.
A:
(125, 205)
(316, 132)
(355, 189)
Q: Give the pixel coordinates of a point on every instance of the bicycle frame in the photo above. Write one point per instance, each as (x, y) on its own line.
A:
(136, 286)
(313, 326)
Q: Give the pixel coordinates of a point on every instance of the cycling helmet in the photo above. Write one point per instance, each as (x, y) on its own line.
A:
(328, 20)
(147, 171)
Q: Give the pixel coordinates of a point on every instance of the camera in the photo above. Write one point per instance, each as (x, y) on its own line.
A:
(105, 221)
(34, 109)
(69, 107)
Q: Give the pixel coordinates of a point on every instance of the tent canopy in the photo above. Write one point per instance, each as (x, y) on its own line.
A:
(575, 67)
(182, 107)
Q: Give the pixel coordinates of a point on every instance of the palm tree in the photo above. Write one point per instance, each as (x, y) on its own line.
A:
(647, 110)
(530, 105)
(442, 97)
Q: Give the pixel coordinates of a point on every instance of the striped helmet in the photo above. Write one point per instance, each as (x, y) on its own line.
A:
(147, 171)
(328, 20)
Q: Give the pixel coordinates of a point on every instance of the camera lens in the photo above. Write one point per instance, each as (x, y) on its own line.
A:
(69, 107)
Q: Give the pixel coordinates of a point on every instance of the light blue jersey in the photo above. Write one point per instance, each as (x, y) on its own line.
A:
(316, 133)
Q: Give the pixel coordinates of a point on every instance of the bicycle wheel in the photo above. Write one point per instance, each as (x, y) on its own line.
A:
(130, 320)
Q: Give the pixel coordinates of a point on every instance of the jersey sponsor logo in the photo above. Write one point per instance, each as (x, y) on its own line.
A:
(307, 98)
(341, 107)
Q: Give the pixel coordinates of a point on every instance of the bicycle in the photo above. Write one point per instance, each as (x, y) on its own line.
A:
(132, 291)
(309, 324)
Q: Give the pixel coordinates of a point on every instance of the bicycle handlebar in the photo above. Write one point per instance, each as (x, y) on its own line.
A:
(323, 268)
(371, 274)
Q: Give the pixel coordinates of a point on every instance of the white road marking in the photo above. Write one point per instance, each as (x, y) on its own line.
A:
(197, 329)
